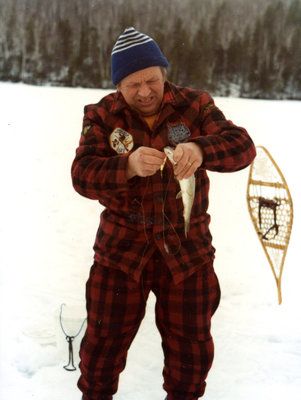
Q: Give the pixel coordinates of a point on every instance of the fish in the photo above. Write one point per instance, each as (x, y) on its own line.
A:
(187, 192)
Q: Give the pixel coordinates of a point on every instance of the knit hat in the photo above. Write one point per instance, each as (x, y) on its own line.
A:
(132, 52)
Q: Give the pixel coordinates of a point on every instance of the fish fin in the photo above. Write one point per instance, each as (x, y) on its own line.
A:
(179, 195)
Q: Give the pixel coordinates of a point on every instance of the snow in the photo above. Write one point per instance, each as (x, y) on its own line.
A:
(47, 232)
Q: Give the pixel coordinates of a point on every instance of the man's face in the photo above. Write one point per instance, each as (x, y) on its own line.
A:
(143, 90)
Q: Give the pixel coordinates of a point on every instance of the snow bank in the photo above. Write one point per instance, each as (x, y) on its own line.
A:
(47, 232)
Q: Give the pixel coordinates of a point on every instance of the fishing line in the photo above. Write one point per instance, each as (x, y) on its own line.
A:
(143, 211)
(145, 234)
(164, 216)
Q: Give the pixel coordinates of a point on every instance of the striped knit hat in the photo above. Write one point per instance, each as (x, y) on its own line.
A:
(132, 52)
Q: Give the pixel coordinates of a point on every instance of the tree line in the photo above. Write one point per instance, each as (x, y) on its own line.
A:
(233, 47)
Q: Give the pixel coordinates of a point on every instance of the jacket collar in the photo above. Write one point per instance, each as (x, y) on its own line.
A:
(174, 96)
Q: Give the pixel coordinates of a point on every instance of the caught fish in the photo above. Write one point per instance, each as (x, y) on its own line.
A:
(187, 191)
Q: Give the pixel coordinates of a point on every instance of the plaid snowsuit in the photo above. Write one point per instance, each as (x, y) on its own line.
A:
(141, 238)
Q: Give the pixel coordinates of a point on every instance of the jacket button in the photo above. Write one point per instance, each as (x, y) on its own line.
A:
(160, 199)
(158, 236)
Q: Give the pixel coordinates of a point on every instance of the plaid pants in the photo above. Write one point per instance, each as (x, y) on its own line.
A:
(116, 307)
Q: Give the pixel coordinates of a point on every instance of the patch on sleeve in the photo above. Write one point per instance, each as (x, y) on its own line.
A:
(178, 132)
(121, 141)
(86, 129)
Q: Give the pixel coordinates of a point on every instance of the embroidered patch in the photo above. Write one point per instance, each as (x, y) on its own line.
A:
(121, 141)
(178, 132)
(86, 129)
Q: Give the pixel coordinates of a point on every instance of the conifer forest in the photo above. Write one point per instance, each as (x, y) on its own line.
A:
(245, 48)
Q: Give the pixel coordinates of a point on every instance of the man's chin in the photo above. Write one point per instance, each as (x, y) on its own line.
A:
(147, 111)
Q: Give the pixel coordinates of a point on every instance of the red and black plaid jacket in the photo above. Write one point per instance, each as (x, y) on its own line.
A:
(143, 214)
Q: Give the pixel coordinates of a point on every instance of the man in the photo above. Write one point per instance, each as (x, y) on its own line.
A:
(141, 245)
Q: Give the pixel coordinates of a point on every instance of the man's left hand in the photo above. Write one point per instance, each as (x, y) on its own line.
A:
(189, 157)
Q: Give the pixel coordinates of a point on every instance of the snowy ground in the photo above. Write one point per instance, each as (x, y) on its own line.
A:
(47, 232)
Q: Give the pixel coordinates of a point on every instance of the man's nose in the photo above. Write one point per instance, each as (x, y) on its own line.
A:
(144, 90)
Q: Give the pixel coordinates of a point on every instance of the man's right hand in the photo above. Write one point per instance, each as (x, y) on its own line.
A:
(145, 161)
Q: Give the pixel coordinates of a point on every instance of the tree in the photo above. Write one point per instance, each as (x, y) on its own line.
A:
(11, 62)
(210, 44)
(200, 58)
(63, 49)
(85, 68)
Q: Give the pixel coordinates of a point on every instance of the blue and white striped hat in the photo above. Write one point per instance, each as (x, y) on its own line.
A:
(132, 52)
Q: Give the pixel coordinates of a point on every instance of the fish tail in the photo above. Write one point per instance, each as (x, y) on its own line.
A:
(186, 228)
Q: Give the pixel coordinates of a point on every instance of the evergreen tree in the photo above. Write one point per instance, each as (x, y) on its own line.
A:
(212, 44)
(200, 58)
(45, 57)
(178, 53)
(28, 56)
(11, 62)
(85, 68)
(255, 60)
(62, 50)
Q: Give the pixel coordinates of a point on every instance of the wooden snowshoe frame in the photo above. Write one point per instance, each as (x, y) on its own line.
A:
(271, 210)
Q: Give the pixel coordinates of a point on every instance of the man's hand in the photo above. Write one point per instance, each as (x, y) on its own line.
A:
(188, 157)
(144, 161)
